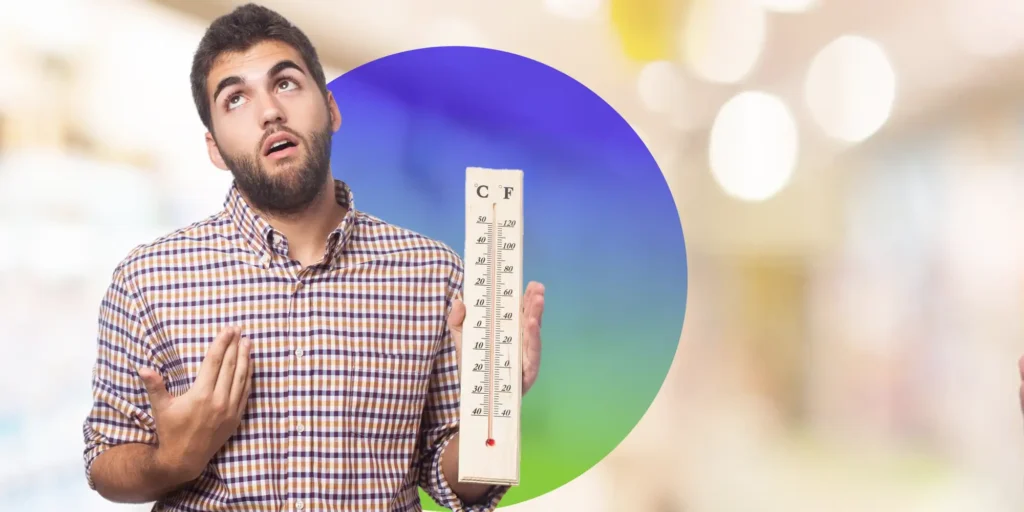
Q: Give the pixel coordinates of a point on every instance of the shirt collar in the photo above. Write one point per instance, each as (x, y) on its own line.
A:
(265, 241)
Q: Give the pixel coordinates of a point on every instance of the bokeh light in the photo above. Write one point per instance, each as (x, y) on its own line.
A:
(754, 146)
(850, 88)
(660, 86)
(724, 39)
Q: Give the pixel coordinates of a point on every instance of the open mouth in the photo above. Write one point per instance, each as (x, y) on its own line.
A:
(279, 146)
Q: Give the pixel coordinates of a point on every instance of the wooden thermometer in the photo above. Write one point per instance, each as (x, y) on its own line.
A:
(492, 332)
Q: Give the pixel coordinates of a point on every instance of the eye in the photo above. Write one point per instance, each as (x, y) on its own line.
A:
(235, 101)
(285, 85)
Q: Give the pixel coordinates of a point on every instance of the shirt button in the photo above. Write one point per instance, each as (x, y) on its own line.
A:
(301, 428)
(299, 505)
(299, 352)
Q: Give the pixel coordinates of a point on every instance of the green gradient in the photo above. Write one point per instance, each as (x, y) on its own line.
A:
(574, 420)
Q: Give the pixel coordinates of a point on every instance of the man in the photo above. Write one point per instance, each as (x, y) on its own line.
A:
(290, 351)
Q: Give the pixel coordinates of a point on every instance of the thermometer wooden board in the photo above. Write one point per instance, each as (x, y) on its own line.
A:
(492, 332)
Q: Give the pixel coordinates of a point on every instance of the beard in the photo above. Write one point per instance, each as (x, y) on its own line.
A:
(284, 193)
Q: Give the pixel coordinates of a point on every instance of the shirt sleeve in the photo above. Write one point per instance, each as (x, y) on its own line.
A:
(120, 407)
(441, 419)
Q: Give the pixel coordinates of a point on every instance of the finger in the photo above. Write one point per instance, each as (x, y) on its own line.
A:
(241, 372)
(210, 368)
(155, 388)
(530, 303)
(246, 390)
(226, 376)
(534, 289)
(538, 309)
(526, 307)
(533, 317)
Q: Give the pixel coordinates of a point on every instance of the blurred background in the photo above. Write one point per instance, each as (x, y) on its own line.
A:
(848, 175)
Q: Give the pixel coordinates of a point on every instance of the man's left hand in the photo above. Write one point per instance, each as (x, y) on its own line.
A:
(533, 310)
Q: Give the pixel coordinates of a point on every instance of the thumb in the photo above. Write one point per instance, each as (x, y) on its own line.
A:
(158, 394)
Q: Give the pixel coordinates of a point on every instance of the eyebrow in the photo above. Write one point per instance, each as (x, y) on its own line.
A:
(234, 79)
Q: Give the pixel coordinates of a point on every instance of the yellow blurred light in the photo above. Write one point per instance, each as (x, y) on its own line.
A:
(646, 28)
(660, 85)
(850, 88)
(724, 39)
(788, 6)
(754, 145)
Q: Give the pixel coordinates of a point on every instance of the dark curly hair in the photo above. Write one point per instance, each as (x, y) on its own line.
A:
(238, 31)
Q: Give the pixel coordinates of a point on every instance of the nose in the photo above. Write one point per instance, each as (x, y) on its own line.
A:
(271, 112)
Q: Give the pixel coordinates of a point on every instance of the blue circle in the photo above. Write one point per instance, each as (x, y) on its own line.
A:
(601, 228)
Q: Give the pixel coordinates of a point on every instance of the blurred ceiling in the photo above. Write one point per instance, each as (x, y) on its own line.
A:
(670, 66)
(584, 38)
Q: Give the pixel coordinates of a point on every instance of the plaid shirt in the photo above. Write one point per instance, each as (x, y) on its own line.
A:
(355, 392)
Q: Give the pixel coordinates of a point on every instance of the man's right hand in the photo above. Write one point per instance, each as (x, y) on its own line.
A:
(193, 427)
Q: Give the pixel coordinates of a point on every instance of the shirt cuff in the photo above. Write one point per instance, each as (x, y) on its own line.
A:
(448, 497)
(90, 456)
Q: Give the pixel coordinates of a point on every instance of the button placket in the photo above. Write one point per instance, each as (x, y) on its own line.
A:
(297, 385)
(301, 441)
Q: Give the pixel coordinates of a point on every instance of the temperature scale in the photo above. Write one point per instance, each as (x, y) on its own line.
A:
(492, 332)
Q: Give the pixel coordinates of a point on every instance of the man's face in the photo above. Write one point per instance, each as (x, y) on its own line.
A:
(273, 126)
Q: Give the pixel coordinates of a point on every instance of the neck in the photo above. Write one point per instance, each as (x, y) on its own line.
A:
(307, 231)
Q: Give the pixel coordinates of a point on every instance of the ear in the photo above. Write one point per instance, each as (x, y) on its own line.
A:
(214, 152)
(332, 107)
